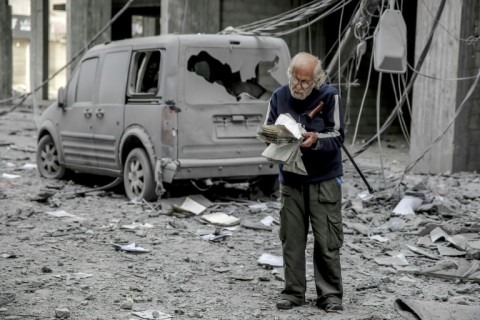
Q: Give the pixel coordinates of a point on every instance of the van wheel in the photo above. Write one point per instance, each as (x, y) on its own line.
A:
(48, 163)
(138, 177)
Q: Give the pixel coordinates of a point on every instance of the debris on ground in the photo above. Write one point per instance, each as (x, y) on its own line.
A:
(423, 241)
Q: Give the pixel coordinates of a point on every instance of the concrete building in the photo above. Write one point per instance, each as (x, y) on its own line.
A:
(433, 102)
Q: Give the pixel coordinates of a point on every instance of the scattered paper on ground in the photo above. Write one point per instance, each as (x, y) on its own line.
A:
(379, 238)
(131, 247)
(396, 260)
(222, 219)
(29, 166)
(407, 205)
(61, 214)
(152, 314)
(192, 206)
(270, 260)
(268, 221)
(10, 176)
(136, 225)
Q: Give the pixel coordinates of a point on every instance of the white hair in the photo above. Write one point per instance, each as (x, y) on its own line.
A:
(318, 73)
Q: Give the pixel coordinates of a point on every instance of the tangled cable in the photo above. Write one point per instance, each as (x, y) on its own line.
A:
(269, 26)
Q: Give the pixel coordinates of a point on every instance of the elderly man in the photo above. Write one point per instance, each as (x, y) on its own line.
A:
(314, 198)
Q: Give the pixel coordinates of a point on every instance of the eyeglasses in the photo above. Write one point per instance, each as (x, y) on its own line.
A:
(304, 84)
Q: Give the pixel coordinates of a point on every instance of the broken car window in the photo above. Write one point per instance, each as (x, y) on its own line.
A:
(221, 75)
(144, 76)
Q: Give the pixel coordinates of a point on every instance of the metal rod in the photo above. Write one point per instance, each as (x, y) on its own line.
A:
(310, 116)
(370, 189)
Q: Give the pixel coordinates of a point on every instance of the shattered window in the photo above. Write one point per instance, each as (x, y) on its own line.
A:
(144, 76)
(224, 75)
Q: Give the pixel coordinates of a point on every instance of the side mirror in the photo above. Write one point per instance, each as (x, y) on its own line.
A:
(61, 97)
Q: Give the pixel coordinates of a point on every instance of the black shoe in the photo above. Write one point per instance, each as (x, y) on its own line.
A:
(333, 307)
(285, 304)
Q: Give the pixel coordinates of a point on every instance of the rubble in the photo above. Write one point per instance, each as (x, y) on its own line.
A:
(218, 256)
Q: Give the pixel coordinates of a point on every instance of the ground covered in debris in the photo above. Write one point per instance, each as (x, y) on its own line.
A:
(70, 252)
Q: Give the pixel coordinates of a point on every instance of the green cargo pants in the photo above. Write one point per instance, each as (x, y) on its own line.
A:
(320, 205)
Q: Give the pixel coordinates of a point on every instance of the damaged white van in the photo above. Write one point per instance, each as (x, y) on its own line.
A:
(159, 110)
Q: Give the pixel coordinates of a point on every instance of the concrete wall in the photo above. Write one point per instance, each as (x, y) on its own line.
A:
(5, 50)
(435, 101)
(84, 19)
(236, 13)
(190, 16)
(467, 128)
(39, 47)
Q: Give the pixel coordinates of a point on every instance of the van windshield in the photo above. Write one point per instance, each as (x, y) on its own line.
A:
(223, 75)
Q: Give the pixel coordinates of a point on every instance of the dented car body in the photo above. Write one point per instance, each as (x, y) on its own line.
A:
(160, 109)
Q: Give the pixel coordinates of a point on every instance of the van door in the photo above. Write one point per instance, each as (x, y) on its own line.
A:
(76, 122)
(226, 99)
(108, 113)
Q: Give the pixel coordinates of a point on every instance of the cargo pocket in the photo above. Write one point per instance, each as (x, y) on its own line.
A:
(330, 197)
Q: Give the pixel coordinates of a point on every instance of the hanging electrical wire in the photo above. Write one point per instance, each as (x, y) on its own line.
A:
(349, 44)
(363, 99)
(296, 14)
(401, 120)
(471, 40)
(437, 78)
(270, 25)
(378, 129)
(409, 86)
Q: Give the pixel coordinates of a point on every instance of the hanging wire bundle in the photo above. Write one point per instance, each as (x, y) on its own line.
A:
(286, 23)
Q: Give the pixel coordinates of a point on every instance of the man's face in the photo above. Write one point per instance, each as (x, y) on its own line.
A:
(301, 84)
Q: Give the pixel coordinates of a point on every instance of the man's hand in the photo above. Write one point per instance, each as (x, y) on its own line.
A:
(310, 139)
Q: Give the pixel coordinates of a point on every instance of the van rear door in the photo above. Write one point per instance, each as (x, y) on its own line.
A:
(226, 92)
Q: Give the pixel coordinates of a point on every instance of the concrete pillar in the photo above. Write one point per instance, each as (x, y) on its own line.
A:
(39, 46)
(150, 26)
(84, 19)
(5, 50)
(435, 101)
(190, 16)
(466, 152)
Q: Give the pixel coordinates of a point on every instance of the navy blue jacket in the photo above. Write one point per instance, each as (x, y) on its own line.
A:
(324, 160)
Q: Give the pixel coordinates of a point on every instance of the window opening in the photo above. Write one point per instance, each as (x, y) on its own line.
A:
(146, 73)
(214, 71)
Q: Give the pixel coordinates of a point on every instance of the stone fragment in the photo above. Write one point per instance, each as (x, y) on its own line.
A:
(62, 313)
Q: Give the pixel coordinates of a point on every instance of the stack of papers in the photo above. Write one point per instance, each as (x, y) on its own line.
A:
(277, 134)
(284, 138)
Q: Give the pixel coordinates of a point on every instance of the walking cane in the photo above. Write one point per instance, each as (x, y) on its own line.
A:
(318, 109)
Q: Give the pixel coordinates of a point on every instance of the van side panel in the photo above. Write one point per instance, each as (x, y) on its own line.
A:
(108, 114)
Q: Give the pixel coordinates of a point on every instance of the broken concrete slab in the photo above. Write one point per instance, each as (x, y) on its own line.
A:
(432, 310)
(254, 224)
